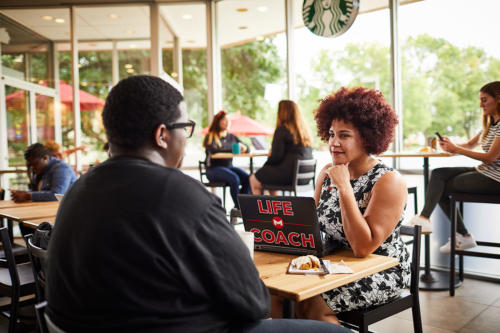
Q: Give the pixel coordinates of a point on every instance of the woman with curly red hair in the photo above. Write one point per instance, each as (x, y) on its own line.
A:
(360, 201)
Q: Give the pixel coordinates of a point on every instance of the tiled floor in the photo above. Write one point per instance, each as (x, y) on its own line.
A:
(475, 308)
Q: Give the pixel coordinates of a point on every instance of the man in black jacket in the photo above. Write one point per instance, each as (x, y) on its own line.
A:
(140, 247)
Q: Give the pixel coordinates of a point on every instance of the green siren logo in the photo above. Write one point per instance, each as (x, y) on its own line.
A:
(329, 18)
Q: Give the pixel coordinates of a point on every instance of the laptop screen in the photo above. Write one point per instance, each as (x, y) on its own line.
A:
(282, 223)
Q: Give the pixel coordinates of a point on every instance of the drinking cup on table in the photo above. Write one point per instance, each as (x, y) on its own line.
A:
(236, 148)
(247, 237)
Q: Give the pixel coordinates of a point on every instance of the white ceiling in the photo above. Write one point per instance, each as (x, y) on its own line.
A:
(132, 26)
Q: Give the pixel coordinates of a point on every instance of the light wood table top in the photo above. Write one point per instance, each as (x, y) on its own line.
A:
(272, 269)
(231, 155)
(12, 204)
(417, 154)
(36, 222)
(30, 212)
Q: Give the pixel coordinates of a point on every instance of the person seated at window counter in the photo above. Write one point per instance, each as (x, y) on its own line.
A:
(56, 151)
(48, 176)
(483, 179)
(360, 201)
(138, 246)
(291, 141)
(218, 140)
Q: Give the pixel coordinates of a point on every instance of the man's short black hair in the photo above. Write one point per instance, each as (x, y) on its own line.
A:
(36, 150)
(136, 106)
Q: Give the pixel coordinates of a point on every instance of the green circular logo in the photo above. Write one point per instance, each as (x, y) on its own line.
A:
(329, 18)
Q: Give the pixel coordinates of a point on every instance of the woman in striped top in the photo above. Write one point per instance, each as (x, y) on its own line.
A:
(483, 179)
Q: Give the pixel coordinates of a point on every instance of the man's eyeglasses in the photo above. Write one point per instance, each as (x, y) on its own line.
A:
(188, 127)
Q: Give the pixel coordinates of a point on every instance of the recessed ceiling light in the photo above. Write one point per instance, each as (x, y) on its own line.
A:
(174, 74)
(128, 66)
(191, 41)
(47, 17)
(259, 38)
(113, 16)
(59, 20)
(187, 16)
(242, 10)
(262, 9)
(130, 70)
(132, 46)
(40, 82)
(129, 31)
(243, 27)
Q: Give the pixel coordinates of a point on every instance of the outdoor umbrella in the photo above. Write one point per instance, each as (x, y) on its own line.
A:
(244, 126)
(88, 102)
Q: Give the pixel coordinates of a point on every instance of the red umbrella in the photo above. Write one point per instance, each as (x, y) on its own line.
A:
(244, 126)
(88, 102)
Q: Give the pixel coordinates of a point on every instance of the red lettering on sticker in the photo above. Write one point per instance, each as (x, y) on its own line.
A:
(287, 208)
(255, 232)
(276, 206)
(291, 237)
(307, 239)
(280, 238)
(261, 209)
(268, 236)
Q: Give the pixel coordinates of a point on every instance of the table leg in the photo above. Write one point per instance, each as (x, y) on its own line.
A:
(288, 308)
(432, 280)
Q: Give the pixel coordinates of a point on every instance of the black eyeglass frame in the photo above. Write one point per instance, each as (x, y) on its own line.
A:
(190, 123)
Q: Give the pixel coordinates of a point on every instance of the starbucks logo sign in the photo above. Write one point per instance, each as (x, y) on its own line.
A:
(329, 18)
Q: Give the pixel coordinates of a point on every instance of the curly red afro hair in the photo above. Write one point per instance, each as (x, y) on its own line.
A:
(366, 109)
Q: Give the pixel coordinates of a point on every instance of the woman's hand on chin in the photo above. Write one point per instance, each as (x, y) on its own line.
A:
(339, 175)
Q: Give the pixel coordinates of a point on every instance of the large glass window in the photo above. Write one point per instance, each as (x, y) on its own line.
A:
(17, 102)
(188, 23)
(253, 57)
(446, 60)
(360, 56)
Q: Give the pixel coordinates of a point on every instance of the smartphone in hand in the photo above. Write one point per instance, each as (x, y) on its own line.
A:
(439, 136)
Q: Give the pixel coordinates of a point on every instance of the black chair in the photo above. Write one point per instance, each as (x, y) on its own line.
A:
(460, 198)
(361, 319)
(202, 166)
(37, 256)
(2, 193)
(40, 317)
(304, 174)
(16, 281)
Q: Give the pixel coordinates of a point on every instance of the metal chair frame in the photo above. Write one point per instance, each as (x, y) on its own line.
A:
(298, 175)
(362, 318)
(460, 198)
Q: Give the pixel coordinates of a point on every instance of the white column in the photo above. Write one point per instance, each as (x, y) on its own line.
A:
(57, 100)
(154, 21)
(114, 64)
(396, 91)
(213, 61)
(75, 78)
(4, 151)
(32, 116)
(290, 50)
(177, 55)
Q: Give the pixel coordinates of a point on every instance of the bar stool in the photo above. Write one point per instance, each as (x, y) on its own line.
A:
(460, 198)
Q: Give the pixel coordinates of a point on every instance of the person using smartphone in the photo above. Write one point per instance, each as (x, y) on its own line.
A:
(48, 176)
(483, 179)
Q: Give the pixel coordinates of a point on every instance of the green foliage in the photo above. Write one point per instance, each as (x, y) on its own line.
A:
(246, 70)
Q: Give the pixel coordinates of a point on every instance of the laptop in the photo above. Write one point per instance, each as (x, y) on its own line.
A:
(283, 224)
(259, 143)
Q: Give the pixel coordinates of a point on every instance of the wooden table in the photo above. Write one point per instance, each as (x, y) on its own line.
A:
(273, 268)
(30, 211)
(33, 224)
(12, 204)
(429, 280)
(249, 155)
